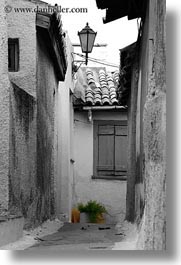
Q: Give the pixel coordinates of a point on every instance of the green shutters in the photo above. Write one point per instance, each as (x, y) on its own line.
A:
(110, 149)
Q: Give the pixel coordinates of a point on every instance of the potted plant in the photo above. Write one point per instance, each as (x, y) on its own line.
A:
(93, 210)
(84, 218)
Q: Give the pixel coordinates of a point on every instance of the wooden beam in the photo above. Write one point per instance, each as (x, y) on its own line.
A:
(104, 107)
(42, 21)
(95, 45)
(54, 36)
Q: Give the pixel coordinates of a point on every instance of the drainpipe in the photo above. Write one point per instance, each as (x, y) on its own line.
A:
(90, 115)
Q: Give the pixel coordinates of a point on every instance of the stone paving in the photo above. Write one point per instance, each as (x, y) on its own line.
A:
(77, 236)
(56, 236)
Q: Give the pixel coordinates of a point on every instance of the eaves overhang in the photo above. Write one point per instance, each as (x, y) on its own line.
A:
(51, 25)
(118, 9)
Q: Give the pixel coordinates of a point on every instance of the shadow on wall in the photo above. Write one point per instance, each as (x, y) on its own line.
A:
(22, 184)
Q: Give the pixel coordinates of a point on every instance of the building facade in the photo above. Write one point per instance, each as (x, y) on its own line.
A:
(33, 72)
(100, 137)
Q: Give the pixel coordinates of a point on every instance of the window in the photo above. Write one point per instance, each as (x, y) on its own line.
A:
(13, 55)
(110, 149)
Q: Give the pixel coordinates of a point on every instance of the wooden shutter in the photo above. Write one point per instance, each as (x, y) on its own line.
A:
(105, 150)
(120, 150)
(110, 149)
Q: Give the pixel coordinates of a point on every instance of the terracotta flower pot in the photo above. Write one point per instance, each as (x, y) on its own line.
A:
(75, 218)
(100, 219)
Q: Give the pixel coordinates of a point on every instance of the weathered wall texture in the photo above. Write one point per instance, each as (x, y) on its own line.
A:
(32, 144)
(112, 193)
(153, 228)
(4, 113)
(144, 52)
(22, 172)
(65, 141)
(132, 107)
(47, 85)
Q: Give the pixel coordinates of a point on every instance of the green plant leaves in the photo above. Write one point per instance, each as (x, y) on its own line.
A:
(92, 208)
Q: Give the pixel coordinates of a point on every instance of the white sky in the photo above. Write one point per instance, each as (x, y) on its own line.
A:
(116, 34)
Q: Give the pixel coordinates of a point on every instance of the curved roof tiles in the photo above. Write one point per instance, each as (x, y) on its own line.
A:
(102, 88)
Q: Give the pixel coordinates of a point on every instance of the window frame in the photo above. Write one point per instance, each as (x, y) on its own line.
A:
(96, 123)
(15, 59)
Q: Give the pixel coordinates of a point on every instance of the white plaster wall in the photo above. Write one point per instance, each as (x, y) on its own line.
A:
(111, 193)
(22, 25)
(65, 143)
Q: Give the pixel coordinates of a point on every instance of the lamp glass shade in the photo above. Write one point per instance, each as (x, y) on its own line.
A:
(87, 38)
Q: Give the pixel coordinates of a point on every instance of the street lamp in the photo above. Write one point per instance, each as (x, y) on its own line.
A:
(87, 38)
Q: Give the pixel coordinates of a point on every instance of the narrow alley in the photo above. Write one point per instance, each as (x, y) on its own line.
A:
(83, 125)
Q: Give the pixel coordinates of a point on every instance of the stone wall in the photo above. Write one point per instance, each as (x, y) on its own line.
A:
(153, 226)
